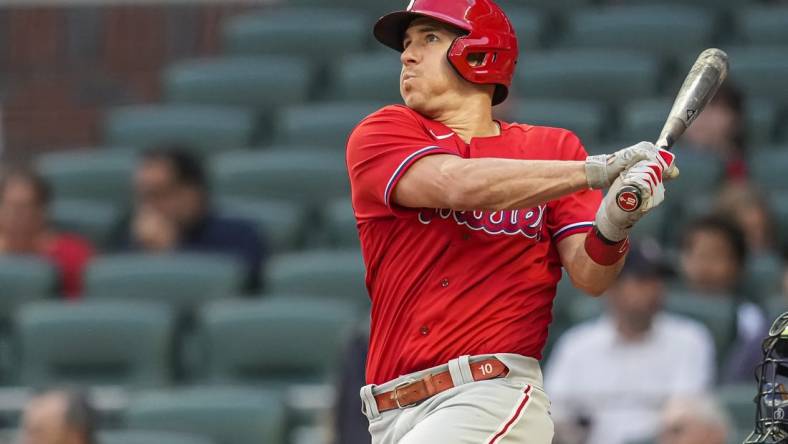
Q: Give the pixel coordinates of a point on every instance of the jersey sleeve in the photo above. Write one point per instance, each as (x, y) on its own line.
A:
(574, 213)
(379, 152)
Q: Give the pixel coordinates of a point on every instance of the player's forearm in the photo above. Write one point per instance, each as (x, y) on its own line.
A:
(588, 275)
(506, 184)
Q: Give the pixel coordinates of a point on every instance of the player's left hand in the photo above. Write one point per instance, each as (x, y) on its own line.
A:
(613, 222)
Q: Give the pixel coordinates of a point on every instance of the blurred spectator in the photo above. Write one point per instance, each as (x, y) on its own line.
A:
(609, 377)
(694, 420)
(721, 130)
(59, 417)
(24, 229)
(713, 257)
(748, 207)
(173, 212)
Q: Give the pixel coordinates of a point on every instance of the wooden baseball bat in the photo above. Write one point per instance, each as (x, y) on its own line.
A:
(700, 86)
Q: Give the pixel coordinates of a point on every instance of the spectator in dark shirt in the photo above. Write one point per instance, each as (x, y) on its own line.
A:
(24, 230)
(173, 212)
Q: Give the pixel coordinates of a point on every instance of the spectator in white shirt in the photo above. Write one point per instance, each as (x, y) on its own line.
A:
(610, 377)
(693, 420)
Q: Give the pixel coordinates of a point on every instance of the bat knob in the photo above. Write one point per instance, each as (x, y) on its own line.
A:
(629, 199)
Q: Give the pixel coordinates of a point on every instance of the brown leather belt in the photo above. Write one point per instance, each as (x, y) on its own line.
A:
(409, 393)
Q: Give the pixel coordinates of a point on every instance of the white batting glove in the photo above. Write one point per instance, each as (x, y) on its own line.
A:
(603, 169)
(613, 222)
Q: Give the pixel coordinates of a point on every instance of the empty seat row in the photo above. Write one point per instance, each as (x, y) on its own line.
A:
(137, 343)
(187, 281)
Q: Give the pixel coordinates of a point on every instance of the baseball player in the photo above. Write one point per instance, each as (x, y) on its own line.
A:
(465, 224)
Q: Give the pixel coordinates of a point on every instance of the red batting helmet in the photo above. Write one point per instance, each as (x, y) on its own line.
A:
(489, 32)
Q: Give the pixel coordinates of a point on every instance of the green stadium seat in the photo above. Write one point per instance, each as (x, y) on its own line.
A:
(340, 224)
(718, 314)
(309, 178)
(767, 168)
(274, 341)
(643, 119)
(102, 342)
(530, 24)
(653, 225)
(586, 119)
(760, 71)
(763, 25)
(551, 5)
(778, 203)
(281, 222)
(182, 280)
(660, 29)
(259, 83)
(92, 220)
(321, 124)
(700, 173)
(762, 276)
(761, 122)
(720, 6)
(225, 415)
(148, 437)
(204, 129)
(102, 176)
(24, 279)
(609, 76)
(370, 77)
(317, 33)
(738, 400)
(332, 274)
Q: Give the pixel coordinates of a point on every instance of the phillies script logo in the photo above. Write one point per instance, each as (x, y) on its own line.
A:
(525, 222)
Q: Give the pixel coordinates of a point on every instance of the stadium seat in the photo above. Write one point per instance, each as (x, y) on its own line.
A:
(604, 75)
(333, 274)
(654, 226)
(370, 77)
(91, 220)
(700, 173)
(318, 33)
(181, 280)
(552, 5)
(760, 71)
(274, 341)
(779, 206)
(643, 119)
(739, 400)
(761, 122)
(530, 25)
(102, 176)
(225, 415)
(762, 276)
(586, 119)
(340, 224)
(148, 437)
(281, 222)
(321, 124)
(101, 342)
(309, 178)
(204, 129)
(259, 83)
(718, 314)
(24, 279)
(658, 28)
(720, 6)
(763, 25)
(767, 168)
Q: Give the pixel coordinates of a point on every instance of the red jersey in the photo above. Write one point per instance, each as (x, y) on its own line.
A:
(448, 283)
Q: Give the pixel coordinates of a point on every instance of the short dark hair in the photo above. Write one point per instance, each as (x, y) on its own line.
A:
(732, 233)
(187, 167)
(41, 188)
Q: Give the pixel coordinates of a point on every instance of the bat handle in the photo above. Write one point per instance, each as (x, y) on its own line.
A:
(629, 199)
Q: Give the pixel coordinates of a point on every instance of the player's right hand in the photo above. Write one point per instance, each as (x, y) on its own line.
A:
(613, 222)
(603, 169)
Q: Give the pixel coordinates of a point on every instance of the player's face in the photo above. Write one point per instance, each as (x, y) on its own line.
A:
(637, 299)
(428, 83)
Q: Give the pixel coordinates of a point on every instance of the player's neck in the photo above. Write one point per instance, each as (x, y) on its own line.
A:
(472, 119)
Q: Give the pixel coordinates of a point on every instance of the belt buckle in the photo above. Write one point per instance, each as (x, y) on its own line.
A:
(396, 390)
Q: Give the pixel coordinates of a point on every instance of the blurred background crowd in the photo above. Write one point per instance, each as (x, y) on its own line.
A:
(178, 255)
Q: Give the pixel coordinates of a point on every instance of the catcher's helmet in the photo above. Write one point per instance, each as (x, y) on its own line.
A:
(771, 420)
(489, 32)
